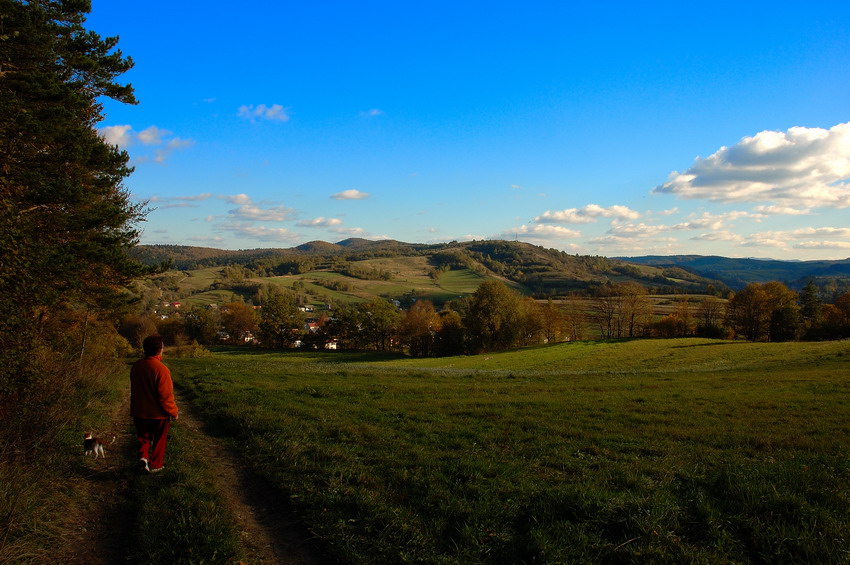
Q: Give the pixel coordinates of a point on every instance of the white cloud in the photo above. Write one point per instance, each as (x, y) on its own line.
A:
(516, 186)
(669, 212)
(320, 222)
(586, 215)
(259, 233)
(802, 168)
(754, 241)
(152, 135)
(782, 211)
(723, 235)
(194, 198)
(805, 233)
(619, 244)
(637, 230)
(273, 113)
(822, 245)
(539, 232)
(708, 221)
(238, 199)
(122, 136)
(351, 231)
(255, 213)
(372, 113)
(351, 194)
(206, 239)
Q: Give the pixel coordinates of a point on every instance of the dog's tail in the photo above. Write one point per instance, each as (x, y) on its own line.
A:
(113, 440)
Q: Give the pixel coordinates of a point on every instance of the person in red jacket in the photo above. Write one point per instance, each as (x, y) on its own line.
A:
(152, 404)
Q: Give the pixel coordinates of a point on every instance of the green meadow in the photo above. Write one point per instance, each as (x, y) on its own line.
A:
(653, 451)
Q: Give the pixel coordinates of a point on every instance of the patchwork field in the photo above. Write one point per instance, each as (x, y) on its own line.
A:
(653, 451)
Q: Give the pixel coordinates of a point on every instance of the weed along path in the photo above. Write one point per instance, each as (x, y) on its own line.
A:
(267, 530)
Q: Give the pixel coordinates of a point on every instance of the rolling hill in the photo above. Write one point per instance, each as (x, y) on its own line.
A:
(532, 269)
(737, 273)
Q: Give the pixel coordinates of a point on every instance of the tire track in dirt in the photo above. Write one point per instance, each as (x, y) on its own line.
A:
(267, 528)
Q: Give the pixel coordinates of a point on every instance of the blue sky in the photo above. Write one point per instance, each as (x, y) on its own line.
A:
(600, 128)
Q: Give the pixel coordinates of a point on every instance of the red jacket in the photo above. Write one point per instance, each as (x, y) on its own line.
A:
(151, 390)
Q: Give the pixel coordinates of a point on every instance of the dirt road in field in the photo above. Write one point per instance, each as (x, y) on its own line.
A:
(267, 529)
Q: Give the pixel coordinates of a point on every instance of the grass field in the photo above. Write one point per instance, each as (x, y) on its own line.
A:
(676, 451)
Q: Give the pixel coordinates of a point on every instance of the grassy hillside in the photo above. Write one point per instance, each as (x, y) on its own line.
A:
(393, 269)
(665, 451)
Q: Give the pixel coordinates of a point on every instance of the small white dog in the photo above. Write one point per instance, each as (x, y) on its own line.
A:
(94, 445)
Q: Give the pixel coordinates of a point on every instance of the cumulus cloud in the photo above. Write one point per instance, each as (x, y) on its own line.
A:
(805, 233)
(755, 241)
(238, 199)
(255, 213)
(637, 230)
(206, 239)
(782, 211)
(152, 135)
(320, 222)
(273, 113)
(351, 231)
(156, 138)
(539, 232)
(351, 194)
(620, 244)
(822, 245)
(586, 215)
(800, 168)
(708, 221)
(259, 233)
(723, 235)
(122, 136)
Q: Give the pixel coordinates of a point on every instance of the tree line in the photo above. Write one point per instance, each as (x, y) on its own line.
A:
(496, 317)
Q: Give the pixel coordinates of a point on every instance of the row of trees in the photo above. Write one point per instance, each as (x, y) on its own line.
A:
(759, 312)
(496, 318)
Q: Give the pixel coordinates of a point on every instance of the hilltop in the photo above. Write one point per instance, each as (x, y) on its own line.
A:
(533, 269)
(737, 273)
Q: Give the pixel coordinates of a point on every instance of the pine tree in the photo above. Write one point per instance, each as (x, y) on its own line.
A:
(66, 221)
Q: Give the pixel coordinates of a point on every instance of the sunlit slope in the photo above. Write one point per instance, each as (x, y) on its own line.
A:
(632, 356)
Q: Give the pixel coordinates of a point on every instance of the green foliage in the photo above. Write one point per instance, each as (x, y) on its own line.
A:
(281, 321)
(640, 451)
(66, 221)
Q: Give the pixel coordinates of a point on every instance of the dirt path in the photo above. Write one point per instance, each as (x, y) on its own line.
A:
(103, 521)
(268, 531)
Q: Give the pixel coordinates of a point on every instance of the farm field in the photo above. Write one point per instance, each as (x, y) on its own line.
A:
(633, 451)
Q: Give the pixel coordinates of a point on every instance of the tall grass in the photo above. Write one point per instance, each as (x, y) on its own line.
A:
(41, 447)
(666, 451)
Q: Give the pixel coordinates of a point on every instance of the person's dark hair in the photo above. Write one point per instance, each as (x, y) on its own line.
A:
(152, 345)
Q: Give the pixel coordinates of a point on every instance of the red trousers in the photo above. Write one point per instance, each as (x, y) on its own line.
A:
(153, 435)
